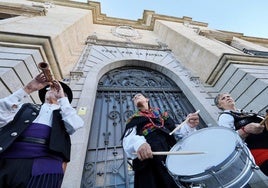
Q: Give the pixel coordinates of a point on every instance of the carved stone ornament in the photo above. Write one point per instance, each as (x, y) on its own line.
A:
(126, 32)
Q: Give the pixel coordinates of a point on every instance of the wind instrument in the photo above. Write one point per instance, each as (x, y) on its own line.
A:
(45, 69)
(47, 73)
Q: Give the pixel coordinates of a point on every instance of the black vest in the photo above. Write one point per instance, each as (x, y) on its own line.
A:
(254, 141)
(59, 141)
(241, 119)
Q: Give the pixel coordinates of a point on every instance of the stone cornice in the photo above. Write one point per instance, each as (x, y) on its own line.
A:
(148, 20)
(143, 23)
(146, 23)
(21, 9)
(227, 59)
(42, 42)
(221, 36)
(247, 38)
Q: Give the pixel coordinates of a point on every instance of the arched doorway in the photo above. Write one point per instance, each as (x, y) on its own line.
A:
(106, 164)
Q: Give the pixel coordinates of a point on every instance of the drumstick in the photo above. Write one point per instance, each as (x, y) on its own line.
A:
(175, 152)
(262, 122)
(180, 125)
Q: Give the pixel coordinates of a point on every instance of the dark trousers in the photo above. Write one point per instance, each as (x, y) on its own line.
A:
(17, 173)
(264, 167)
(152, 173)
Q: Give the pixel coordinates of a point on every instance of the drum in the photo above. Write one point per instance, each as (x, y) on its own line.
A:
(226, 162)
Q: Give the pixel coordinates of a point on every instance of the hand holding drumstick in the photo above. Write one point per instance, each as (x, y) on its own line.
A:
(265, 120)
(192, 120)
(145, 152)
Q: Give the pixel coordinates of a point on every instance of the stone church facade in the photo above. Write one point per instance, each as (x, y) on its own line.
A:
(106, 60)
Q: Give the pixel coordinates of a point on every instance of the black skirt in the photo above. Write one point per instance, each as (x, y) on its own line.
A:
(18, 173)
(152, 172)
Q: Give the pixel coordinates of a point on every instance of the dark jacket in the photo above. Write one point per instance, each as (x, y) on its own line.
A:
(59, 141)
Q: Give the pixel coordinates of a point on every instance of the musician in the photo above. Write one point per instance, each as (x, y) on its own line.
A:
(147, 131)
(34, 139)
(247, 126)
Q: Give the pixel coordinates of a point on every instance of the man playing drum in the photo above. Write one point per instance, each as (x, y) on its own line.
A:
(147, 131)
(249, 127)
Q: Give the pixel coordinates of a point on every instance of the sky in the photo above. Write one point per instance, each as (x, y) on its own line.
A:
(243, 16)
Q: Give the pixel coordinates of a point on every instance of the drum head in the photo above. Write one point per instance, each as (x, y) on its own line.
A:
(218, 143)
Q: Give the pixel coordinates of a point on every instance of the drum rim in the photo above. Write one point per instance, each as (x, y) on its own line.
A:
(230, 156)
(248, 174)
(206, 128)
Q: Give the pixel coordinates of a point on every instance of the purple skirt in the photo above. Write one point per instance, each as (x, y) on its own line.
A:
(46, 167)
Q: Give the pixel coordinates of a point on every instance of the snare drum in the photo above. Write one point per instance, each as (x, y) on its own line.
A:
(227, 161)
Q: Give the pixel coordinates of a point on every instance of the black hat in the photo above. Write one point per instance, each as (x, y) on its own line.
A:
(67, 90)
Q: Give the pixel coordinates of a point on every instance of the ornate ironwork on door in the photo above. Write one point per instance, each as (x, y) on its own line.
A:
(106, 164)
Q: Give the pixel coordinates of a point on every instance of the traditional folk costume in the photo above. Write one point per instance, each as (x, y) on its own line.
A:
(257, 143)
(35, 141)
(153, 127)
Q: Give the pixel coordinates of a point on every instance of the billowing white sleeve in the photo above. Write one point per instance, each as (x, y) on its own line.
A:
(72, 120)
(185, 130)
(132, 142)
(226, 120)
(10, 105)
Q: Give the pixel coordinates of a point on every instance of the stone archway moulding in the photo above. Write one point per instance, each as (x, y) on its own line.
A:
(100, 59)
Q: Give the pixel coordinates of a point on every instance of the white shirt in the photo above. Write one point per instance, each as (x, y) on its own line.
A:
(226, 120)
(10, 105)
(132, 141)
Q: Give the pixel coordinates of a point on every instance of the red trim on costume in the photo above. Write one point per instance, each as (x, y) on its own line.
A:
(260, 155)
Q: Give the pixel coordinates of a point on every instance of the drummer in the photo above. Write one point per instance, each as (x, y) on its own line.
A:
(147, 131)
(254, 134)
